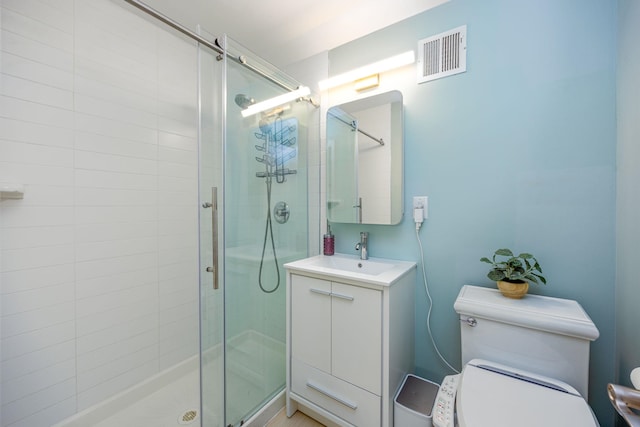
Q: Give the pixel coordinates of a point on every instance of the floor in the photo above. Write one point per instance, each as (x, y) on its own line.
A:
(298, 420)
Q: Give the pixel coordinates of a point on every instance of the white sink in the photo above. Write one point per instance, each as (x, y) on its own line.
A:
(352, 264)
(374, 270)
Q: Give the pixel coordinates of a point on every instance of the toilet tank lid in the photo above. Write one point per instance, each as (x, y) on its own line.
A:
(556, 315)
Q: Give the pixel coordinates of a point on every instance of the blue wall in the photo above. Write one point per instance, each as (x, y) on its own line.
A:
(517, 152)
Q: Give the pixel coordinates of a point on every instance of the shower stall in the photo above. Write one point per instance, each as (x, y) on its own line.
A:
(141, 273)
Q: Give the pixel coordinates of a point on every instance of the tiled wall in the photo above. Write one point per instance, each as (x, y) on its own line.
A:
(98, 262)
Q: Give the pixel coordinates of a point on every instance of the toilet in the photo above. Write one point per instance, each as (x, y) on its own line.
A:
(525, 362)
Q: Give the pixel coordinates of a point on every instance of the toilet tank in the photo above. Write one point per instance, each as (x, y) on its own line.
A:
(543, 335)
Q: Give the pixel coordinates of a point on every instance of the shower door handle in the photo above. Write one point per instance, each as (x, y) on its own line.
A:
(214, 235)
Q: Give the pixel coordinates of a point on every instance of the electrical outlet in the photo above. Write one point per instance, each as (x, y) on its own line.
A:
(421, 202)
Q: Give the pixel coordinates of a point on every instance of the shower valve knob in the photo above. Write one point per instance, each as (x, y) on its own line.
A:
(281, 212)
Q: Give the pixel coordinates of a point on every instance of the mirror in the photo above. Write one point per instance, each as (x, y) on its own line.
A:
(365, 160)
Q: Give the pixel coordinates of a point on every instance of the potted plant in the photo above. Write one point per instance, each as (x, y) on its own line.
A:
(513, 273)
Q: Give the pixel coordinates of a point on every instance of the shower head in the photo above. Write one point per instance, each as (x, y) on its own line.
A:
(244, 101)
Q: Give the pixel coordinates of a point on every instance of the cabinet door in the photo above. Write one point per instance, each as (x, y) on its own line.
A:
(311, 321)
(357, 336)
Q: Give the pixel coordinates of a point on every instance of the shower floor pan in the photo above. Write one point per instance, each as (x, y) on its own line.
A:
(255, 375)
(175, 404)
(165, 399)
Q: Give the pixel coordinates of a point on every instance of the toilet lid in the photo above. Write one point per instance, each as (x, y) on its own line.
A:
(494, 395)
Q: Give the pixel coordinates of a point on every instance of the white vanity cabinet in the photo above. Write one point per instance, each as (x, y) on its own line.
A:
(349, 343)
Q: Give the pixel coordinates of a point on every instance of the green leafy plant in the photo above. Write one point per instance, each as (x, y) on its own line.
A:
(515, 269)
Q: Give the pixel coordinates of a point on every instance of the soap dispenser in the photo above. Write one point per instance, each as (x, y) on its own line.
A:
(329, 243)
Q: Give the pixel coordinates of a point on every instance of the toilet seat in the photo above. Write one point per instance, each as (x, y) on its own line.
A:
(496, 395)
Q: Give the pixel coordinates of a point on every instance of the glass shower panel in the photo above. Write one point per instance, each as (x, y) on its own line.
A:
(342, 167)
(211, 108)
(266, 211)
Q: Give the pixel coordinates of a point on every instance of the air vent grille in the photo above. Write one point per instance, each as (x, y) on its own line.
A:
(442, 55)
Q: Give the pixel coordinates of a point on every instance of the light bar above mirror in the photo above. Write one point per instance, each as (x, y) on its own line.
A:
(378, 67)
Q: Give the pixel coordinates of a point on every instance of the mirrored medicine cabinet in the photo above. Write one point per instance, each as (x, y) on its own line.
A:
(365, 160)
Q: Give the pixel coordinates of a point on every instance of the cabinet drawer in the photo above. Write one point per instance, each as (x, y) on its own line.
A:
(351, 403)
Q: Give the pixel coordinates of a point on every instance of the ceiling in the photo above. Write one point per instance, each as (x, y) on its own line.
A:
(287, 31)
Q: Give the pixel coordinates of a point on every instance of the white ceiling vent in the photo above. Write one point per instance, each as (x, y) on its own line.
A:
(442, 55)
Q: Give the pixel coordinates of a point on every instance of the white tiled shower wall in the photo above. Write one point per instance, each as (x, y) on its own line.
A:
(98, 262)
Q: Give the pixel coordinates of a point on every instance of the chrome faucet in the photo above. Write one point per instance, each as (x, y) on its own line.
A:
(362, 245)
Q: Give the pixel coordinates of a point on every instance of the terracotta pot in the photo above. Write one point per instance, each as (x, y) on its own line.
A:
(513, 290)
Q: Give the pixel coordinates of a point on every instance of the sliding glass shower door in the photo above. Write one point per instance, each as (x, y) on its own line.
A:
(211, 221)
(257, 165)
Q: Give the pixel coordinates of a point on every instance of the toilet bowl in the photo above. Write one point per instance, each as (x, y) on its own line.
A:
(525, 362)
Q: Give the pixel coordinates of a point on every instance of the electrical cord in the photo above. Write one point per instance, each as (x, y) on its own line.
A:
(426, 288)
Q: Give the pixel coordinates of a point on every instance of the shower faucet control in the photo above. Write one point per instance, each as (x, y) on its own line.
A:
(362, 245)
(281, 212)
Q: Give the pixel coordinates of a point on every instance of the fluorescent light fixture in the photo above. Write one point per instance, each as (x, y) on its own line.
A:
(368, 70)
(367, 83)
(270, 103)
